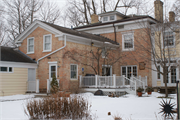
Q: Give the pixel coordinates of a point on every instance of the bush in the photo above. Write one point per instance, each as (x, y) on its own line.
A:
(149, 89)
(58, 108)
(54, 85)
(140, 89)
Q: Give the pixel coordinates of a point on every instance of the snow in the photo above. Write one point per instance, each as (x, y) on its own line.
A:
(129, 107)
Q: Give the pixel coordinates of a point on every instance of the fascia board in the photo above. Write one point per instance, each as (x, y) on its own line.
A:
(32, 27)
(18, 64)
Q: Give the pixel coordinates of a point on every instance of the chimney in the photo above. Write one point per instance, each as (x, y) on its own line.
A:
(171, 16)
(158, 5)
(94, 18)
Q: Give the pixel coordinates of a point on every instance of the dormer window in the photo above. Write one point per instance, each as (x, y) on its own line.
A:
(105, 18)
(112, 17)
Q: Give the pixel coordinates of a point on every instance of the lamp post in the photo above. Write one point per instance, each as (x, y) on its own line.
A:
(177, 83)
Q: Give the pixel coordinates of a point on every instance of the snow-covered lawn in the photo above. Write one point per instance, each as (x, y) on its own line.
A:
(129, 107)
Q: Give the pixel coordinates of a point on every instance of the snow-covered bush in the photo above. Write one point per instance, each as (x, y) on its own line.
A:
(74, 107)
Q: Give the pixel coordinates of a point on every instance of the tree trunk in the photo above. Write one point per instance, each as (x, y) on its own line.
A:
(165, 80)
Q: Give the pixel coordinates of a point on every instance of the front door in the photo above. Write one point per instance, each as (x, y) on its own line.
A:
(31, 79)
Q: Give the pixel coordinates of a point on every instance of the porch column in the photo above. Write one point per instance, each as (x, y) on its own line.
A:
(140, 77)
(146, 81)
(96, 81)
(114, 79)
(47, 85)
(80, 81)
(123, 80)
(37, 85)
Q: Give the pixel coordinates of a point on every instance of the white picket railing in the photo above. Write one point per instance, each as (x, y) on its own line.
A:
(113, 82)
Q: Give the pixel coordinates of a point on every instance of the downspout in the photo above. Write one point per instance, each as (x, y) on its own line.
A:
(114, 32)
(53, 51)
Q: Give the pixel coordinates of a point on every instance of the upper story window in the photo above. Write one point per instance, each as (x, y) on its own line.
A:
(112, 17)
(47, 42)
(105, 18)
(6, 69)
(128, 41)
(74, 72)
(168, 39)
(30, 45)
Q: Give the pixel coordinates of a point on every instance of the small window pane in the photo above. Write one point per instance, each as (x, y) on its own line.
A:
(47, 39)
(173, 74)
(4, 69)
(47, 46)
(105, 18)
(112, 17)
(10, 69)
(128, 41)
(30, 48)
(168, 39)
(31, 41)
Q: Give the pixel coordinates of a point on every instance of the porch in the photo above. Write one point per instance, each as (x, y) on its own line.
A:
(114, 84)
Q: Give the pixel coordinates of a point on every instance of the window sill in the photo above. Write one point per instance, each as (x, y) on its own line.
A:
(46, 50)
(128, 50)
(30, 53)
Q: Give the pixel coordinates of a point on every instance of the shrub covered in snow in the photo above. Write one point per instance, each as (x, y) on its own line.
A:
(74, 107)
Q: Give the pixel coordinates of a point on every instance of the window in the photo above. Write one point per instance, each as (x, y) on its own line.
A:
(112, 17)
(74, 72)
(173, 74)
(128, 42)
(6, 69)
(52, 69)
(168, 39)
(30, 45)
(128, 71)
(47, 43)
(158, 74)
(105, 18)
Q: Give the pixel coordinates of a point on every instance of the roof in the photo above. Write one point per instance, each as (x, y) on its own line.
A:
(81, 33)
(112, 12)
(9, 54)
(128, 18)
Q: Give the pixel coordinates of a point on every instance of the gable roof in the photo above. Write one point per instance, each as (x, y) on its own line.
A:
(81, 33)
(59, 30)
(126, 19)
(9, 54)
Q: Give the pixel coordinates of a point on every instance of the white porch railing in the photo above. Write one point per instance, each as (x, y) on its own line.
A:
(113, 82)
(33, 86)
(49, 84)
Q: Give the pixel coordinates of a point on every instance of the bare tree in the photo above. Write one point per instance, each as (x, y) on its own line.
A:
(96, 57)
(160, 42)
(49, 12)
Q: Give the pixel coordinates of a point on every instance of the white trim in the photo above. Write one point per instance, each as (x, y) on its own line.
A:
(18, 64)
(7, 70)
(127, 49)
(28, 45)
(52, 64)
(50, 43)
(76, 72)
(32, 27)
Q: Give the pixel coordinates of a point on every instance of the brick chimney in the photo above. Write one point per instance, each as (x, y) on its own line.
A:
(158, 11)
(94, 18)
(171, 16)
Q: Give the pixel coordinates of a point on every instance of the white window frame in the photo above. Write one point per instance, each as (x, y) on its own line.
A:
(110, 17)
(7, 70)
(173, 39)
(76, 73)
(50, 43)
(129, 49)
(52, 64)
(106, 20)
(28, 45)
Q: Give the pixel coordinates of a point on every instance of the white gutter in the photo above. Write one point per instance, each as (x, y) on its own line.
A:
(53, 51)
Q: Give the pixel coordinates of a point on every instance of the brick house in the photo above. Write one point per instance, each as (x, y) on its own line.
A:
(47, 43)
